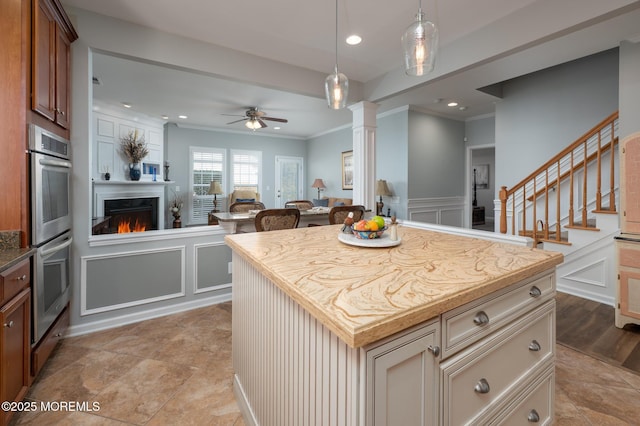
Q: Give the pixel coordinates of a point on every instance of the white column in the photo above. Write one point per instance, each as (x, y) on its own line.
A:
(364, 153)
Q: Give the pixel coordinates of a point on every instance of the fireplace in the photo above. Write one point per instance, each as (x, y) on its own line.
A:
(131, 214)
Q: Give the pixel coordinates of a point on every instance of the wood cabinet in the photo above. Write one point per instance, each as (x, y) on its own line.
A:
(15, 331)
(628, 243)
(52, 34)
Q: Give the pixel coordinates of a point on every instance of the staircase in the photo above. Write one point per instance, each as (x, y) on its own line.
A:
(569, 205)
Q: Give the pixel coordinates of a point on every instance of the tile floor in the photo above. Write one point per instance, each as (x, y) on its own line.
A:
(177, 370)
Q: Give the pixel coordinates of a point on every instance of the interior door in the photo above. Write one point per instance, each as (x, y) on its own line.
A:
(289, 178)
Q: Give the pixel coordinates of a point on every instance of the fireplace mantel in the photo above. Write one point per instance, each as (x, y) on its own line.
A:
(133, 182)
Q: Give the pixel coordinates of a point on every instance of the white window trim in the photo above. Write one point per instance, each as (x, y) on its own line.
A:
(258, 154)
(208, 199)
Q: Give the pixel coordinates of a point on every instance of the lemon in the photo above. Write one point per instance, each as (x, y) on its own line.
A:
(379, 220)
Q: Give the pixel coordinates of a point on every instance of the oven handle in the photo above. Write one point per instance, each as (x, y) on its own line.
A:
(48, 251)
(55, 163)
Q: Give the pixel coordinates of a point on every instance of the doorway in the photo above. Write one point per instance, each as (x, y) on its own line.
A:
(482, 192)
(289, 180)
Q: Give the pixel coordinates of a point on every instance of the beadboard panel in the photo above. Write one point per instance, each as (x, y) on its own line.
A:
(304, 374)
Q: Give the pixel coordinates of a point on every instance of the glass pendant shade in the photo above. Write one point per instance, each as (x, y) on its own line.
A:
(420, 42)
(252, 124)
(336, 88)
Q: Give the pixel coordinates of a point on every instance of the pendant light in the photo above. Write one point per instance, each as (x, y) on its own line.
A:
(336, 85)
(420, 42)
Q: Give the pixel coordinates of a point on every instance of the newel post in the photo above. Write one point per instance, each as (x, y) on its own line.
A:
(503, 210)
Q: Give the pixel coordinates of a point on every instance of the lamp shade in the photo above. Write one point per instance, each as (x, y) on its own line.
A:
(420, 42)
(318, 183)
(382, 189)
(215, 188)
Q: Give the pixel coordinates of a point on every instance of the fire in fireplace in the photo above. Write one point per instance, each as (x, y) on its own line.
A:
(132, 214)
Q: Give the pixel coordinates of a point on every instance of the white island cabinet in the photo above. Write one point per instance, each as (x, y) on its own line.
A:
(440, 329)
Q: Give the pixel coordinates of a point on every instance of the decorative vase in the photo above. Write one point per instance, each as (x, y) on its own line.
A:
(134, 171)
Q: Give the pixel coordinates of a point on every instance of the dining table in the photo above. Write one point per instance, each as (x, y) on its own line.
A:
(235, 223)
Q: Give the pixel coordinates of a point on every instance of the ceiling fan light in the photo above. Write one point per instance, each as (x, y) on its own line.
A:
(420, 42)
(252, 124)
(336, 88)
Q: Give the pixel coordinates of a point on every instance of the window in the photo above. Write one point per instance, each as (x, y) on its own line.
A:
(207, 165)
(246, 169)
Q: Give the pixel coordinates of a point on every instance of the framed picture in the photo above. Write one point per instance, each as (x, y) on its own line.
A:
(482, 176)
(347, 170)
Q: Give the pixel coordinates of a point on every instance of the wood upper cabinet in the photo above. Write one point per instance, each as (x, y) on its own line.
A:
(52, 35)
(630, 184)
(15, 332)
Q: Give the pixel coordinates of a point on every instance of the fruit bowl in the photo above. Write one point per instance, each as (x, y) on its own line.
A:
(369, 235)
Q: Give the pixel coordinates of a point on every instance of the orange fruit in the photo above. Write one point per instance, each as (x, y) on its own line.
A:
(373, 225)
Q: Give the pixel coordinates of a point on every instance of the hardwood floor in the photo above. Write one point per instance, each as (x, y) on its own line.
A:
(588, 327)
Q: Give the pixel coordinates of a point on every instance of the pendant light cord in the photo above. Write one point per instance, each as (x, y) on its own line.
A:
(336, 37)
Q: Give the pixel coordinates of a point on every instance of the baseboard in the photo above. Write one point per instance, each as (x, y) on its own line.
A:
(92, 327)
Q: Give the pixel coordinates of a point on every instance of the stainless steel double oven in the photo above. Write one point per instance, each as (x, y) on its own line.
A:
(50, 227)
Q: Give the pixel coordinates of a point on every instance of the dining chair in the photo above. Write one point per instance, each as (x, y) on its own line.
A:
(275, 219)
(338, 214)
(245, 206)
(299, 204)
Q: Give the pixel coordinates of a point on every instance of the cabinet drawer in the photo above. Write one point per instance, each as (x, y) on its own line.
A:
(489, 372)
(14, 280)
(473, 321)
(535, 406)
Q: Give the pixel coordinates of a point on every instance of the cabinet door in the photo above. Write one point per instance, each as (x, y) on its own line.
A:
(403, 381)
(628, 291)
(43, 61)
(63, 57)
(630, 184)
(14, 347)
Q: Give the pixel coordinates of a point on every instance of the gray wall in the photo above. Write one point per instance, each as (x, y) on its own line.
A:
(324, 154)
(542, 113)
(629, 90)
(436, 156)
(481, 131)
(391, 160)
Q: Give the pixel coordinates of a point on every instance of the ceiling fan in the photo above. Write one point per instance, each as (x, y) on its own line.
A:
(255, 118)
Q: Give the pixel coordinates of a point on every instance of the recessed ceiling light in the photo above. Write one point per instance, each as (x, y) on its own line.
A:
(463, 108)
(452, 104)
(126, 104)
(165, 117)
(182, 116)
(276, 128)
(354, 39)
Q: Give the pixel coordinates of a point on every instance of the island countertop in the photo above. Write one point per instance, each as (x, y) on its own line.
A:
(366, 294)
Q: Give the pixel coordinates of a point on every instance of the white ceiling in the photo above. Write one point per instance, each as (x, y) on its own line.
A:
(481, 43)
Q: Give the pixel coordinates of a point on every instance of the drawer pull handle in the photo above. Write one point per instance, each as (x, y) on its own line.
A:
(482, 386)
(535, 292)
(435, 350)
(534, 346)
(481, 318)
(9, 324)
(533, 416)
(22, 278)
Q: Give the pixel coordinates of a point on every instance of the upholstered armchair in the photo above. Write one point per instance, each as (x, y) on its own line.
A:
(244, 194)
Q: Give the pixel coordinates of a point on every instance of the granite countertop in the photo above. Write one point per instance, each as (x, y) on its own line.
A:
(10, 257)
(365, 294)
(10, 251)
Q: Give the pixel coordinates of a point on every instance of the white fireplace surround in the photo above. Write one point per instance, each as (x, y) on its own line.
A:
(115, 190)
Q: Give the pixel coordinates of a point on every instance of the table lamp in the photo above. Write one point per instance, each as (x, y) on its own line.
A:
(215, 189)
(318, 183)
(382, 190)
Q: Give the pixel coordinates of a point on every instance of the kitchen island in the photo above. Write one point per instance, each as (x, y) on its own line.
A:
(330, 333)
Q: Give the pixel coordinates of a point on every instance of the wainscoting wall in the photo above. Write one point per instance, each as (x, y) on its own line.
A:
(448, 211)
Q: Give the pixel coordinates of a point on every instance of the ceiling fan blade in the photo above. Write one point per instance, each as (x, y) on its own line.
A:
(262, 123)
(237, 121)
(280, 120)
(233, 115)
